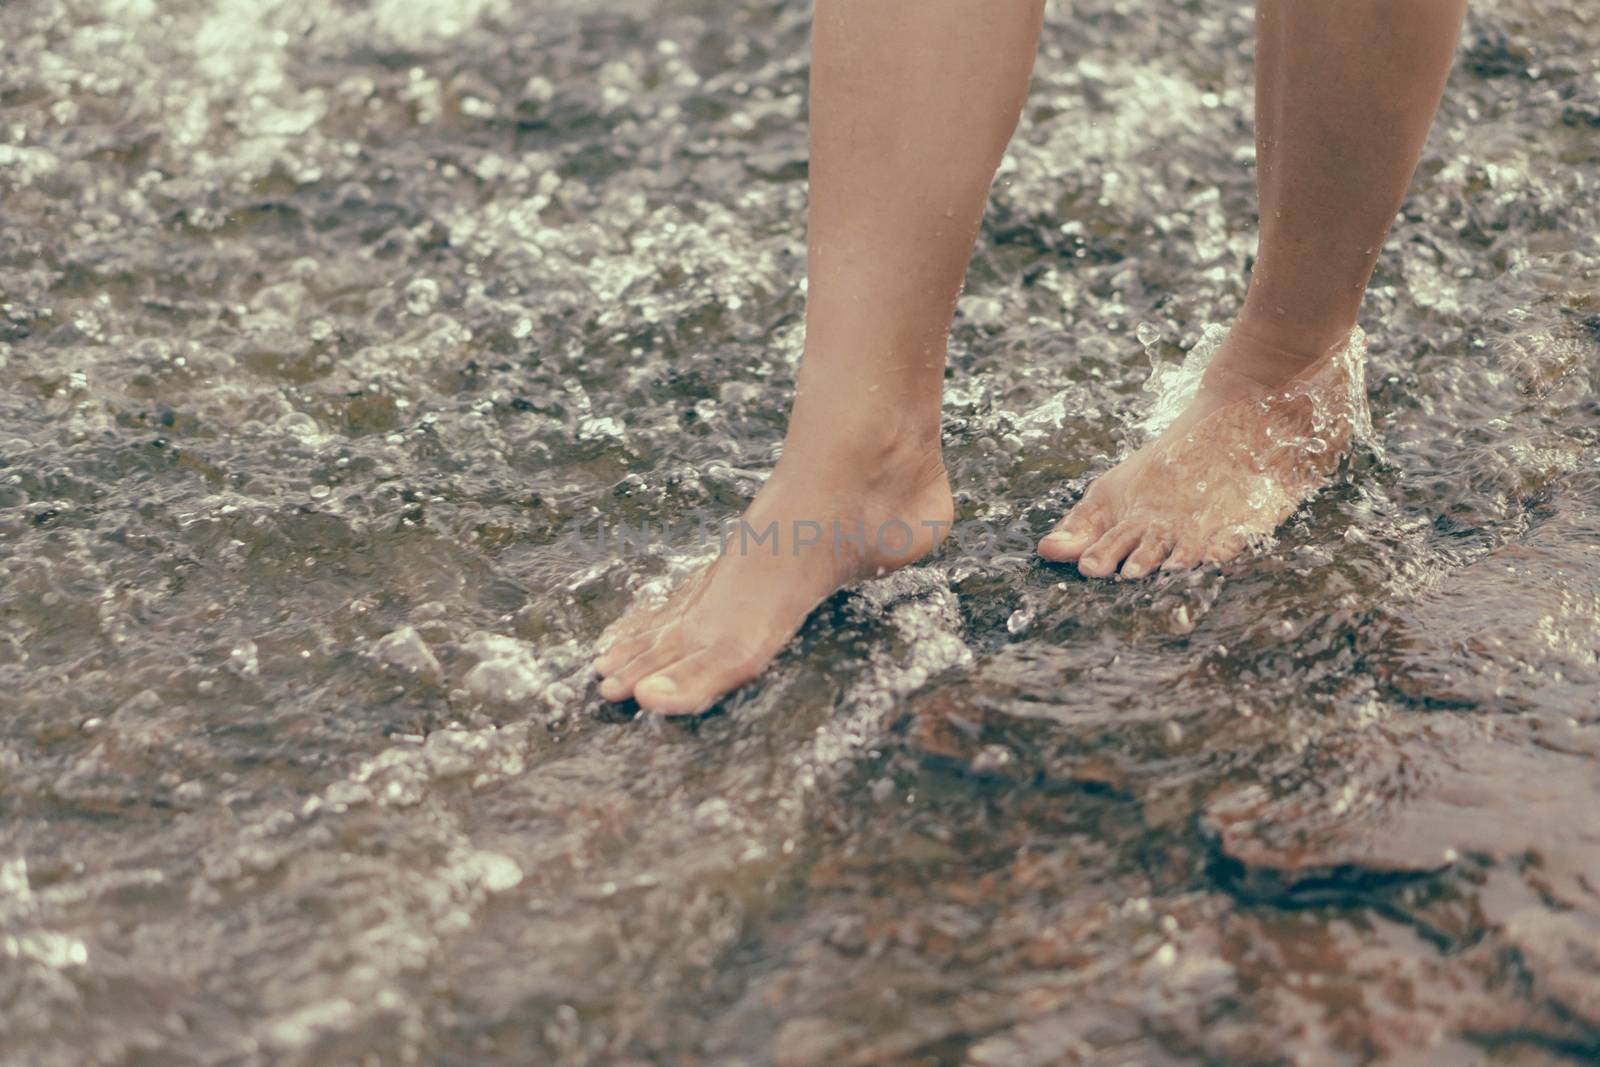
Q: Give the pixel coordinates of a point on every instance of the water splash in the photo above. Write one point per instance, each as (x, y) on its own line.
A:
(1173, 387)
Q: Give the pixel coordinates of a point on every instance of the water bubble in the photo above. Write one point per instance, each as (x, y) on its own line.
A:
(300, 425)
(495, 872)
(243, 658)
(421, 296)
(993, 759)
(595, 429)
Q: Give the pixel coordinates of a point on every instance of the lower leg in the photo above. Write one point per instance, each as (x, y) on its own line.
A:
(1346, 91)
(912, 103)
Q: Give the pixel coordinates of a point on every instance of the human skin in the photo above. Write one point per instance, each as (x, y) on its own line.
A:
(912, 104)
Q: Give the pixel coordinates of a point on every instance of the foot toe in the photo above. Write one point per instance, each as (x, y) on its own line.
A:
(615, 689)
(1149, 555)
(1225, 546)
(1185, 555)
(1081, 527)
(1113, 546)
(616, 653)
(638, 619)
(644, 618)
(620, 685)
(689, 686)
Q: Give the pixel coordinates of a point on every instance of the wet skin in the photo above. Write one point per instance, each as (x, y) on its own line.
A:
(1239, 460)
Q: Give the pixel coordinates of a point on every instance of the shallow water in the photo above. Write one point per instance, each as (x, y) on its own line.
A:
(333, 333)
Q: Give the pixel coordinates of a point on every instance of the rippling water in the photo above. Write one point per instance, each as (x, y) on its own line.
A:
(331, 333)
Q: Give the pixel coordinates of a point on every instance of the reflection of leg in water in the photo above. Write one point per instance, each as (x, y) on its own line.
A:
(1345, 92)
(912, 103)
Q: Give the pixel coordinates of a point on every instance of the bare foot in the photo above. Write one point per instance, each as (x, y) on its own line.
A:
(818, 524)
(1262, 434)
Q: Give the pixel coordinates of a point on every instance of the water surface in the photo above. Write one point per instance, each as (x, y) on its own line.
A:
(331, 333)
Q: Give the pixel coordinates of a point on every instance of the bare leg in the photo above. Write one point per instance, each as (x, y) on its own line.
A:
(912, 103)
(1345, 93)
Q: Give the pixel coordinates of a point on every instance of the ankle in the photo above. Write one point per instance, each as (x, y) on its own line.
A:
(1268, 355)
(1302, 339)
(862, 452)
(890, 493)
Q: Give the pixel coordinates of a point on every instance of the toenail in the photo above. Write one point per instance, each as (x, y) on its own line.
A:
(661, 685)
